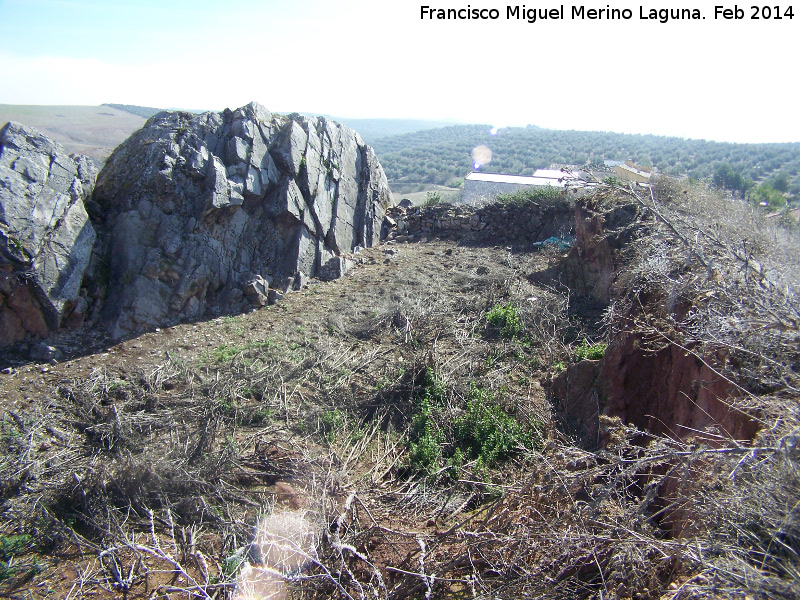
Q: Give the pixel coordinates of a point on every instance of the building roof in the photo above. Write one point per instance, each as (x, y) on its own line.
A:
(541, 177)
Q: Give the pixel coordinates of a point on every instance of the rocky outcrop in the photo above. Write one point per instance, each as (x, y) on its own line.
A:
(202, 212)
(46, 238)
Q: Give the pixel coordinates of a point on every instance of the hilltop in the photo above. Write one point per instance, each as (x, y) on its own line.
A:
(231, 369)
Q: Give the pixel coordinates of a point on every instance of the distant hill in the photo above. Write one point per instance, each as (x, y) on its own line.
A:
(372, 130)
(142, 111)
(91, 130)
(440, 155)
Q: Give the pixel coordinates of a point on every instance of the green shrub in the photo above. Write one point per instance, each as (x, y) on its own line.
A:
(488, 433)
(543, 195)
(433, 199)
(506, 318)
(484, 433)
(590, 351)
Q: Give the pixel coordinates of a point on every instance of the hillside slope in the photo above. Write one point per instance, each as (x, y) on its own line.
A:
(439, 155)
(91, 130)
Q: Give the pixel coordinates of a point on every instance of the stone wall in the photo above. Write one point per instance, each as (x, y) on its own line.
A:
(494, 223)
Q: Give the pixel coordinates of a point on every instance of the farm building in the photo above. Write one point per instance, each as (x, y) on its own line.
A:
(633, 172)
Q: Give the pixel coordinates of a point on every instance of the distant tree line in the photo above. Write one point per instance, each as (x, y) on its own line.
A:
(770, 193)
(441, 155)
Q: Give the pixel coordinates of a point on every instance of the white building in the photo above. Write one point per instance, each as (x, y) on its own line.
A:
(482, 187)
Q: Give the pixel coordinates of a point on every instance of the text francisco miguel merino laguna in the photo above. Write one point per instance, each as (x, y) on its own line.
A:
(663, 15)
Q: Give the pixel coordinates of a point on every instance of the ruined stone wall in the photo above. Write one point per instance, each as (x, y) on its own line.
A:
(495, 223)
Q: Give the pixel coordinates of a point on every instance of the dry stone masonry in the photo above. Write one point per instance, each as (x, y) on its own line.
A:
(495, 223)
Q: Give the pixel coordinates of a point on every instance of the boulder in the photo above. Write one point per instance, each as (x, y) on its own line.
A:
(46, 237)
(195, 204)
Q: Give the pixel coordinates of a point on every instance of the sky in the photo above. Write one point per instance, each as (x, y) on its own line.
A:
(717, 79)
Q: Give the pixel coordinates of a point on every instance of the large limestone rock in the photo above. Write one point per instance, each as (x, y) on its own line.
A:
(199, 207)
(45, 235)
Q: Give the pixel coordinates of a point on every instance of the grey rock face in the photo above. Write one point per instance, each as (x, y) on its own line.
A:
(46, 238)
(201, 210)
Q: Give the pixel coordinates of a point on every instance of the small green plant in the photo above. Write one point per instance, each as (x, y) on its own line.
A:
(16, 243)
(331, 421)
(587, 351)
(256, 416)
(433, 199)
(611, 180)
(559, 366)
(425, 437)
(12, 546)
(225, 352)
(425, 448)
(506, 318)
(435, 388)
(232, 564)
(456, 184)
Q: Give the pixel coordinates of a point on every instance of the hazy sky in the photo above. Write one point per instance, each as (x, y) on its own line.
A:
(714, 79)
